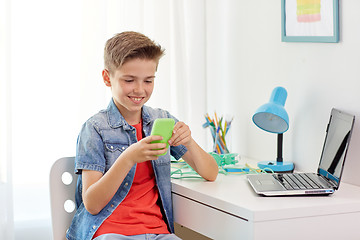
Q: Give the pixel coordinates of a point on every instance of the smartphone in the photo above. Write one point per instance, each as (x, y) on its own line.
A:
(163, 127)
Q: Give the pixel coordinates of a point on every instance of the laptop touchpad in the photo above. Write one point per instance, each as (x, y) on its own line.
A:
(266, 182)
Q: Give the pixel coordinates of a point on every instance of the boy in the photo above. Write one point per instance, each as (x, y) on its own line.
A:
(124, 189)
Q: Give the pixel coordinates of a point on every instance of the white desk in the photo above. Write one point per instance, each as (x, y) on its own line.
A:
(229, 209)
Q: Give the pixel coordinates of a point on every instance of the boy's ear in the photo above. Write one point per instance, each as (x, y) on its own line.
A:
(106, 77)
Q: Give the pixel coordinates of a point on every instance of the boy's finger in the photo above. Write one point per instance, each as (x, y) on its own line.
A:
(176, 142)
(173, 139)
(176, 134)
(182, 139)
(176, 137)
(152, 138)
(159, 152)
(157, 146)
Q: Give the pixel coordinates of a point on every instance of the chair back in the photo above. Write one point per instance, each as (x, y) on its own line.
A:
(62, 195)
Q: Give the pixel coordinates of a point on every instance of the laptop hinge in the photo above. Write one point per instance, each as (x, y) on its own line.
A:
(330, 181)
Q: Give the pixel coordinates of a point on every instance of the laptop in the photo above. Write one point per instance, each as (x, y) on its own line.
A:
(328, 176)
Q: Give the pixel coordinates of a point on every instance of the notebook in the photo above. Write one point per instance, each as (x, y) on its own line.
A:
(328, 176)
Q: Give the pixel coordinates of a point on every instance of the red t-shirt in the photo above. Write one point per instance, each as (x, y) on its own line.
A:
(139, 212)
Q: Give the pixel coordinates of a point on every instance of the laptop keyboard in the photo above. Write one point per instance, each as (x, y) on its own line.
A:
(297, 181)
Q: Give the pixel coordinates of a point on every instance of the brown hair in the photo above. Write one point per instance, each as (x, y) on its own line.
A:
(129, 45)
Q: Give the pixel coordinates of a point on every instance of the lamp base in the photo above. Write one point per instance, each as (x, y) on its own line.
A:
(277, 167)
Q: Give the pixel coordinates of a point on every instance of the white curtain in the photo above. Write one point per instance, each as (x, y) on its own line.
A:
(51, 62)
(6, 203)
(188, 64)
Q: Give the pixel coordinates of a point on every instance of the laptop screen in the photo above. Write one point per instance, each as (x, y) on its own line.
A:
(337, 139)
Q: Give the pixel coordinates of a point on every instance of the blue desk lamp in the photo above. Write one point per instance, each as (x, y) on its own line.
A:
(272, 117)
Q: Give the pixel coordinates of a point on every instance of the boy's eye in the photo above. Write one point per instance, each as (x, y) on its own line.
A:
(129, 80)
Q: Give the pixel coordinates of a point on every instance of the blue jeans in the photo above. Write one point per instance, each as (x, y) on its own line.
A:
(113, 236)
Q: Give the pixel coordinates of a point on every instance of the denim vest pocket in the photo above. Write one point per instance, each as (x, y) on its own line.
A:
(112, 152)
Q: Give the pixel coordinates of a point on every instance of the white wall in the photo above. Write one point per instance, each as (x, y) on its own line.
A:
(246, 60)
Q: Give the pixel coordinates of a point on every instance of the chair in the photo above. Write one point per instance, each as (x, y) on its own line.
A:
(62, 195)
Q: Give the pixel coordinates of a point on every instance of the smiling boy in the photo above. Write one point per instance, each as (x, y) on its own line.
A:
(124, 188)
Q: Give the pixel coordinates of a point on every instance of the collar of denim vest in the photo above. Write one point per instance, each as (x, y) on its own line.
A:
(117, 120)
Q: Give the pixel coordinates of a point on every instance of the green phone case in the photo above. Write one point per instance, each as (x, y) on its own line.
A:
(164, 128)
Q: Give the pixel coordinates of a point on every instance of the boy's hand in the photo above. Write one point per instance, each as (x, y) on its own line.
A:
(181, 135)
(144, 150)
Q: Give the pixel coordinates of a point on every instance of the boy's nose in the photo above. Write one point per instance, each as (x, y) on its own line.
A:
(138, 87)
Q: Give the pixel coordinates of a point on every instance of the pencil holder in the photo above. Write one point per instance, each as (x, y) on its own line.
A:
(218, 128)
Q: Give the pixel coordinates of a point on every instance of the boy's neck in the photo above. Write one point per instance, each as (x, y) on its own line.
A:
(132, 118)
(132, 123)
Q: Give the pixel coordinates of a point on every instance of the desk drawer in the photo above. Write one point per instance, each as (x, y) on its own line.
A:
(209, 221)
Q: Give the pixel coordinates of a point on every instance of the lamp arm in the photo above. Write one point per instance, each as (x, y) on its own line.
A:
(279, 148)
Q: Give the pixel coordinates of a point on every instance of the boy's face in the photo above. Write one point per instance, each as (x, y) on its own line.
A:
(131, 85)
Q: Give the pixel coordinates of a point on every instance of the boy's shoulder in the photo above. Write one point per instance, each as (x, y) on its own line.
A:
(101, 115)
(98, 118)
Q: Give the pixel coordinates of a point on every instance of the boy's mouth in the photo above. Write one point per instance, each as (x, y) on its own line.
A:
(136, 100)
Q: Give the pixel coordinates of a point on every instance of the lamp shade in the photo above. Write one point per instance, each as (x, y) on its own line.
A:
(272, 116)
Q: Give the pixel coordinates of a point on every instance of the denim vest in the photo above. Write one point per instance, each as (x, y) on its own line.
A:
(101, 141)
